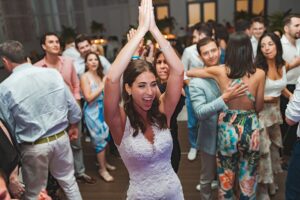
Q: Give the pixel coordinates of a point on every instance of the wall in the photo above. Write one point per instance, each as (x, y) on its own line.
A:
(288, 4)
(226, 11)
(178, 11)
(116, 18)
(116, 15)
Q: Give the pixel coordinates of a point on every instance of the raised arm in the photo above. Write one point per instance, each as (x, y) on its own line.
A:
(112, 92)
(207, 72)
(138, 50)
(172, 94)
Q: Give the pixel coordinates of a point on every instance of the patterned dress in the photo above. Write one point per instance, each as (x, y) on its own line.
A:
(238, 153)
(94, 119)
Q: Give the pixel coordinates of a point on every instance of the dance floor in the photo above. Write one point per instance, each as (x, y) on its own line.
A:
(189, 173)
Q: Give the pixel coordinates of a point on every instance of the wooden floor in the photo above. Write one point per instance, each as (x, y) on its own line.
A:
(189, 173)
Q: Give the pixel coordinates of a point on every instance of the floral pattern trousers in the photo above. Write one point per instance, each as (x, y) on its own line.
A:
(238, 154)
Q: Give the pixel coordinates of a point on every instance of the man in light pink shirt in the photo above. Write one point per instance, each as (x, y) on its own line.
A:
(51, 46)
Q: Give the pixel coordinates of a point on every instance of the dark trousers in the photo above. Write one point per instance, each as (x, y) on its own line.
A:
(176, 152)
(288, 132)
(292, 185)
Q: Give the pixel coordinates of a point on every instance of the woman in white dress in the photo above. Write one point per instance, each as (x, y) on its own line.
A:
(140, 128)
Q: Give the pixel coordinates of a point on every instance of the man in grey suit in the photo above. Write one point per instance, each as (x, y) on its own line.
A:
(207, 102)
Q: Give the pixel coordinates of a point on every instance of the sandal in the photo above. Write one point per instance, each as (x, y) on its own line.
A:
(86, 179)
(105, 175)
(110, 167)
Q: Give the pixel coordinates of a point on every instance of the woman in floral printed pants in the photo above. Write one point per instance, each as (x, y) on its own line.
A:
(238, 153)
(238, 133)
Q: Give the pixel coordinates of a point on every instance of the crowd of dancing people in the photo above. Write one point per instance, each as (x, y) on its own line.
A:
(241, 90)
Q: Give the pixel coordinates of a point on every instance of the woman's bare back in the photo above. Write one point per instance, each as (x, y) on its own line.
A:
(255, 83)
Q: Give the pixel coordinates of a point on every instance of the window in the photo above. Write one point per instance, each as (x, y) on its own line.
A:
(161, 9)
(201, 11)
(242, 5)
(161, 12)
(256, 7)
(194, 10)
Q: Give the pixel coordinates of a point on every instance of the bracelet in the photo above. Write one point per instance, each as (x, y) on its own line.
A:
(135, 57)
(165, 48)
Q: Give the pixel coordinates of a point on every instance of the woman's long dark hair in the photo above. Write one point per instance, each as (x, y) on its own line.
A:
(134, 69)
(261, 61)
(239, 56)
(100, 67)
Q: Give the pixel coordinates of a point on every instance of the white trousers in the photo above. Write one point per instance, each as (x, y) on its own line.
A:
(56, 157)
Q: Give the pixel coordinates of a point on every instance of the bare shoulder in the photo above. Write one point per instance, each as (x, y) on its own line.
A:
(260, 74)
(218, 68)
(83, 77)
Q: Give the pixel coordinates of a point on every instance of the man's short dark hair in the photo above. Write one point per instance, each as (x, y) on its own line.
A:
(242, 25)
(205, 41)
(258, 19)
(203, 28)
(81, 38)
(287, 19)
(13, 51)
(44, 36)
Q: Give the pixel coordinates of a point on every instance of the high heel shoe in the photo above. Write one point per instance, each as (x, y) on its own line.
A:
(105, 175)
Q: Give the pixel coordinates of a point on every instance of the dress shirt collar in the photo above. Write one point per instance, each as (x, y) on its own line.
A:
(44, 63)
(253, 39)
(284, 40)
(21, 67)
(80, 60)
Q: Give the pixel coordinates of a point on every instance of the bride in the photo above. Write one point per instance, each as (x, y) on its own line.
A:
(141, 127)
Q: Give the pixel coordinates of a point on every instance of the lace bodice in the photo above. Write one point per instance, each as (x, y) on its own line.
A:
(149, 165)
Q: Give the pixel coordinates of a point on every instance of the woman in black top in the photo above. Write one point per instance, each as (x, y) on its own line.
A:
(162, 70)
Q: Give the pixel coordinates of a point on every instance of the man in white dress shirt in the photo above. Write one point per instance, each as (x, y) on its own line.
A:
(291, 48)
(292, 189)
(83, 46)
(257, 29)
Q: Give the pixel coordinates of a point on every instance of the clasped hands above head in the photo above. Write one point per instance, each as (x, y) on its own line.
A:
(146, 16)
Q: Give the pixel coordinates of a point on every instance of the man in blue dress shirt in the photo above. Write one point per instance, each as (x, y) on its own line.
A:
(39, 107)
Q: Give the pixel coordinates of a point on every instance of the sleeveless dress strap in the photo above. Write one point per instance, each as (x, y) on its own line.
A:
(248, 93)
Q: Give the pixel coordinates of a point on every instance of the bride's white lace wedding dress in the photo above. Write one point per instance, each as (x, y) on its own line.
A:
(149, 165)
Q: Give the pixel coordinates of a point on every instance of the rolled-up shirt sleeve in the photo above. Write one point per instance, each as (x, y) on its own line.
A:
(292, 111)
